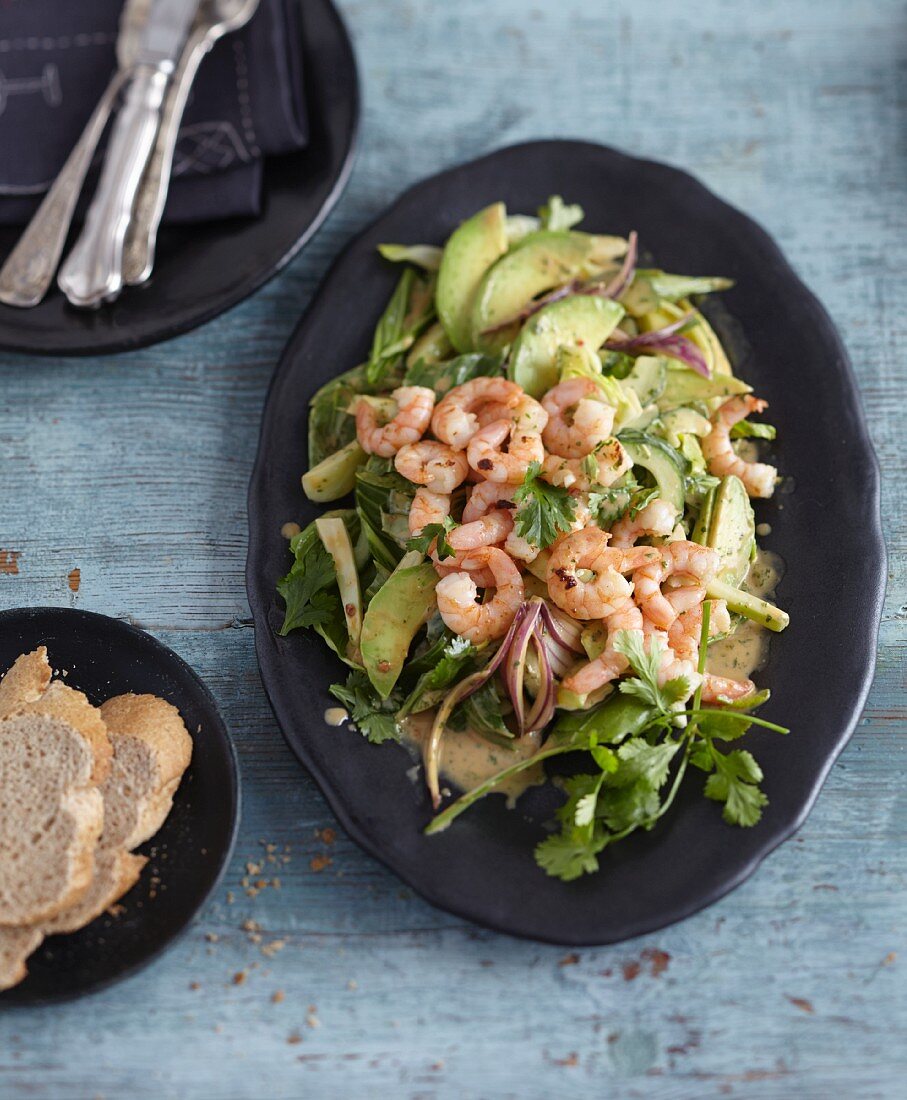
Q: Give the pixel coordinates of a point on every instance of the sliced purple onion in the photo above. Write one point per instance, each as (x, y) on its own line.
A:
(613, 289)
(542, 710)
(556, 629)
(666, 341)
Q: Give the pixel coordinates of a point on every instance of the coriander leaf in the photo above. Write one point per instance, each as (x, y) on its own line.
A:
(569, 854)
(641, 761)
(543, 511)
(723, 727)
(304, 587)
(625, 808)
(429, 533)
(481, 712)
(735, 783)
(373, 716)
(644, 685)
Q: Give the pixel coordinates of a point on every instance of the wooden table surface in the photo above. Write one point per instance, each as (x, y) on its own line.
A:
(133, 469)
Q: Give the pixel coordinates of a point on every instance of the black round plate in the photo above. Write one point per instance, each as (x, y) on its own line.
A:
(202, 270)
(827, 530)
(105, 657)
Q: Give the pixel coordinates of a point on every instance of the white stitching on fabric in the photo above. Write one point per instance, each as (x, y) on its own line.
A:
(64, 42)
(242, 93)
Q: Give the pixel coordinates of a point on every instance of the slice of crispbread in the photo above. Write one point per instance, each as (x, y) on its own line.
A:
(26, 681)
(151, 751)
(51, 821)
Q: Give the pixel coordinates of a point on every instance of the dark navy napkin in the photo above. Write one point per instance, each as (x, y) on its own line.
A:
(247, 103)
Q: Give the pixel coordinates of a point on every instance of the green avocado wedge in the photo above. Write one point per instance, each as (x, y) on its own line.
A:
(540, 262)
(398, 609)
(583, 320)
(732, 530)
(470, 251)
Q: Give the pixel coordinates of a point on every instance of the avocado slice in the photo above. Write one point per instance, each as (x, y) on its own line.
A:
(683, 386)
(583, 320)
(472, 248)
(750, 606)
(540, 262)
(398, 609)
(666, 464)
(336, 540)
(334, 476)
(431, 347)
(647, 379)
(730, 528)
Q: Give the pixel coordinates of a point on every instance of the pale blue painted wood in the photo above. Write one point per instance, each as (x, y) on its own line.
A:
(135, 469)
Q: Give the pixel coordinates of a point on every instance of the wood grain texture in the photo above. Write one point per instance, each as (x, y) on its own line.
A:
(134, 470)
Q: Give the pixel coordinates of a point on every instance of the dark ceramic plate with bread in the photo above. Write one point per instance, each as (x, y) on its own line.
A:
(103, 658)
(825, 528)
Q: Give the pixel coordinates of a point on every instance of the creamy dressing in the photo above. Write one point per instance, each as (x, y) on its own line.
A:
(746, 650)
(336, 716)
(290, 529)
(468, 759)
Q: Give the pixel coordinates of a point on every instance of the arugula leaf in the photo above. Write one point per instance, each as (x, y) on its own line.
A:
(544, 511)
(556, 214)
(442, 377)
(745, 429)
(457, 660)
(429, 533)
(374, 717)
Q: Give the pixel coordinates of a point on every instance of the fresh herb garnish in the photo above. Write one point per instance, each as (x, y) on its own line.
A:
(429, 533)
(543, 511)
(374, 717)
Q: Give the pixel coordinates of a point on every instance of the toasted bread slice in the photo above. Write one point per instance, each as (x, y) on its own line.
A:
(25, 681)
(16, 944)
(51, 821)
(152, 750)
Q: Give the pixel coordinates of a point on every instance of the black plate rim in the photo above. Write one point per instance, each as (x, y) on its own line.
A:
(158, 649)
(875, 546)
(258, 278)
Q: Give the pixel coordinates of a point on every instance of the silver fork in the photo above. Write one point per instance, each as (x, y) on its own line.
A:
(29, 268)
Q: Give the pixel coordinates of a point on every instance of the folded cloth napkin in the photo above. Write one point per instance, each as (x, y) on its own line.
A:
(56, 57)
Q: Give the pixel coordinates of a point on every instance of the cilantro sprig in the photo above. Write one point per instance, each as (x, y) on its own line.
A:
(543, 511)
(431, 531)
(374, 717)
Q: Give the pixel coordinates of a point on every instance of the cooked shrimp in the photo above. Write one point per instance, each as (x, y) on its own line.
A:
(600, 468)
(683, 558)
(457, 597)
(434, 465)
(480, 574)
(486, 497)
(721, 458)
(489, 530)
(686, 631)
(455, 422)
(657, 518)
(427, 507)
(623, 614)
(588, 550)
(414, 408)
(486, 456)
(718, 689)
(578, 419)
(527, 414)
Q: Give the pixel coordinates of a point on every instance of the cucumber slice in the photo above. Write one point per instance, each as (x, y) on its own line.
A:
(667, 465)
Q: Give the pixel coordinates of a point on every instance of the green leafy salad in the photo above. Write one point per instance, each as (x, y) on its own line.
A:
(546, 540)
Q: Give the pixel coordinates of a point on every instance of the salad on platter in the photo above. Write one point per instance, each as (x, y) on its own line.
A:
(550, 547)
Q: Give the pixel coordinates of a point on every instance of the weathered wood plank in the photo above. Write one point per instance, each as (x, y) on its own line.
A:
(134, 470)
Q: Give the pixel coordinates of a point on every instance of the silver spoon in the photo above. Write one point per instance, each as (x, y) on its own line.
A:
(29, 268)
(215, 19)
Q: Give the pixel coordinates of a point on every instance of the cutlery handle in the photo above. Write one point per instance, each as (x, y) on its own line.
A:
(141, 237)
(30, 267)
(92, 273)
